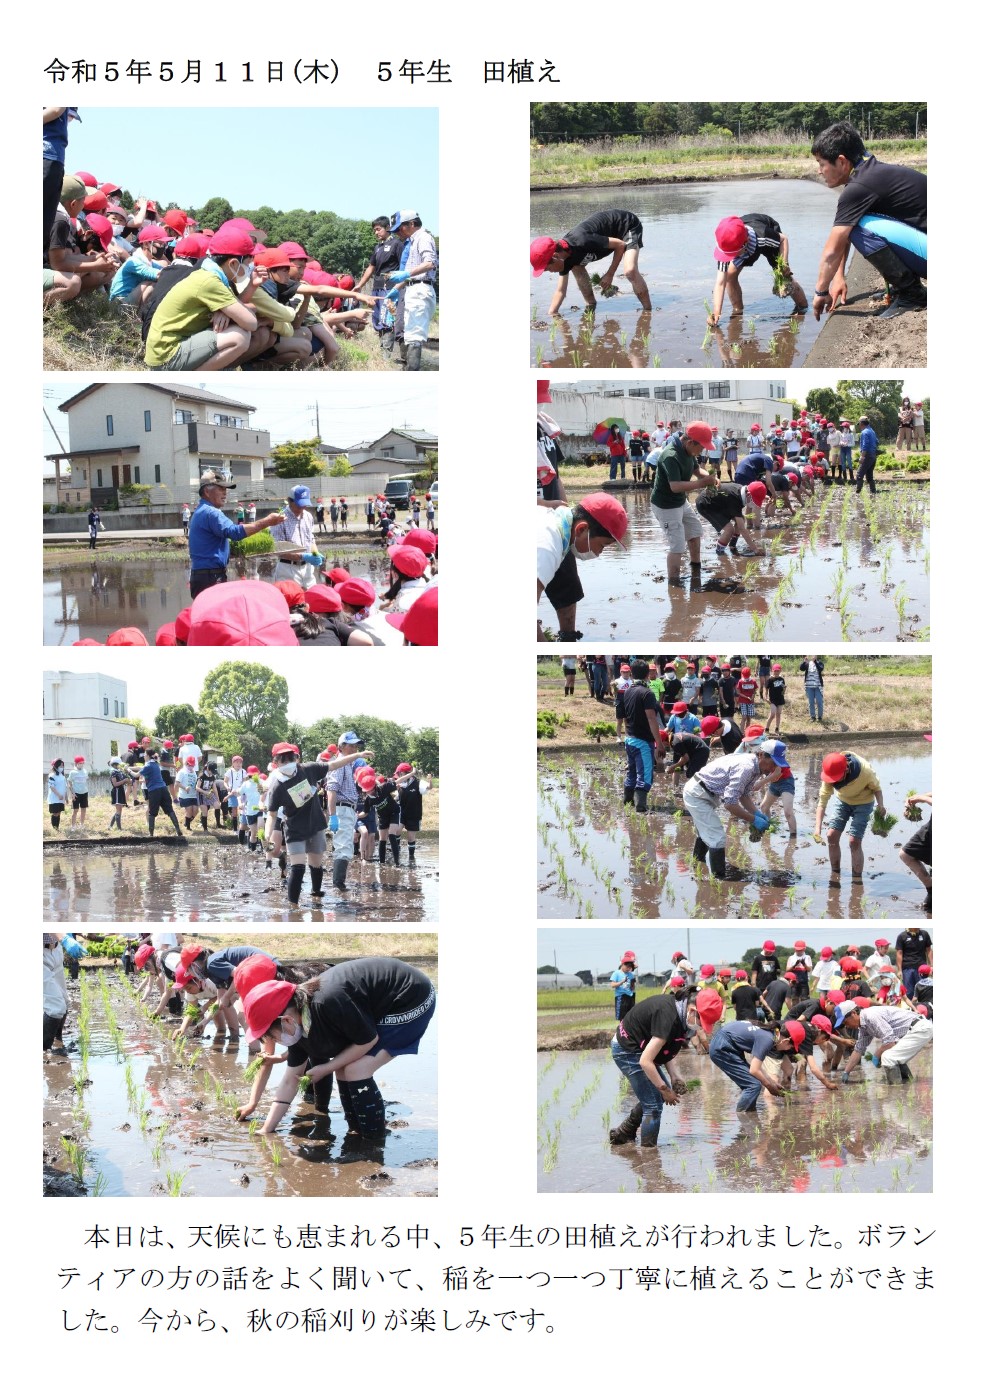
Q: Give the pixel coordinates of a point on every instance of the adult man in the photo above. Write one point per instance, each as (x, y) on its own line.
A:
(728, 783)
(298, 529)
(565, 535)
(55, 120)
(900, 1032)
(384, 261)
(616, 234)
(417, 281)
(649, 1036)
(856, 788)
(341, 793)
(882, 212)
(642, 725)
(211, 531)
(740, 241)
(868, 446)
(913, 948)
(676, 475)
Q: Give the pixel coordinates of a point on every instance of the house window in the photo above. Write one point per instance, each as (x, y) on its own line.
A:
(116, 707)
(637, 391)
(183, 417)
(109, 425)
(220, 419)
(98, 477)
(719, 391)
(692, 391)
(146, 421)
(663, 393)
(136, 474)
(388, 453)
(105, 707)
(156, 472)
(122, 709)
(614, 392)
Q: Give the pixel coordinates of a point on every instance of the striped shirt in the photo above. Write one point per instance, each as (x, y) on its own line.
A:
(422, 249)
(299, 530)
(884, 1025)
(731, 778)
(341, 782)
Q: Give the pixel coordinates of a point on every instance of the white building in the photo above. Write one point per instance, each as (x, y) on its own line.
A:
(156, 435)
(729, 403)
(397, 451)
(81, 717)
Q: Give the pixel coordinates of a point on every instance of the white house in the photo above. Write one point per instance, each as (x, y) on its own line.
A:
(154, 434)
(397, 451)
(81, 717)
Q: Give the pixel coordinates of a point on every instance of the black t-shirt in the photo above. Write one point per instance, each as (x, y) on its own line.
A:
(765, 968)
(351, 1000)
(637, 700)
(884, 188)
(588, 241)
(302, 819)
(775, 690)
(694, 747)
(384, 798)
(775, 994)
(386, 255)
(654, 1017)
(805, 1009)
(673, 690)
(167, 280)
(745, 999)
(913, 948)
(336, 631)
(63, 235)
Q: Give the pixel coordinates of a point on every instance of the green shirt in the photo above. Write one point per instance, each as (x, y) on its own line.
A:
(657, 686)
(674, 466)
(185, 310)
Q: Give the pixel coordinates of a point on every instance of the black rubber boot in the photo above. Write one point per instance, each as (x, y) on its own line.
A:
(907, 292)
(892, 1074)
(381, 851)
(628, 796)
(640, 800)
(242, 836)
(412, 852)
(650, 1124)
(282, 862)
(394, 845)
(386, 340)
(339, 874)
(905, 1074)
(367, 1107)
(627, 1131)
(413, 355)
(316, 881)
(297, 873)
(344, 1094)
(699, 849)
(717, 862)
(187, 823)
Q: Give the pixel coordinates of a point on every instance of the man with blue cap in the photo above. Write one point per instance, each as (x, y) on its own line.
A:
(416, 279)
(900, 1032)
(296, 547)
(780, 786)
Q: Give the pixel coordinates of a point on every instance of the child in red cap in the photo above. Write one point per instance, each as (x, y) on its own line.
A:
(614, 234)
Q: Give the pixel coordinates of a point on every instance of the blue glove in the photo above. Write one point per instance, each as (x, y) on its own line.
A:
(398, 277)
(844, 1077)
(876, 1061)
(761, 822)
(333, 823)
(392, 295)
(72, 947)
(315, 559)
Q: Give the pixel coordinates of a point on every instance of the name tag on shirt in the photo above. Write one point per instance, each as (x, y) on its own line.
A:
(301, 792)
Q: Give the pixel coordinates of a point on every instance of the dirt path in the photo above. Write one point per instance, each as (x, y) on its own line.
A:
(854, 338)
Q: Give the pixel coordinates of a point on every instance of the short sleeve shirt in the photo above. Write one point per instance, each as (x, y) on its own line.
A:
(185, 310)
(588, 241)
(884, 188)
(654, 1017)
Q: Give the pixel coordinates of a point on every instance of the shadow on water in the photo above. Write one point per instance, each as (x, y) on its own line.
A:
(599, 859)
(846, 567)
(677, 263)
(178, 1118)
(225, 884)
(865, 1137)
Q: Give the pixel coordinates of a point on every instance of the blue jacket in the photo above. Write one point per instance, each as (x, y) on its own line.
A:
(209, 535)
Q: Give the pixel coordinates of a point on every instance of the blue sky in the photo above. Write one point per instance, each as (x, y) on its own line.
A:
(357, 162)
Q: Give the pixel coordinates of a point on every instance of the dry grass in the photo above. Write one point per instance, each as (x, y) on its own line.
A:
(303, 945)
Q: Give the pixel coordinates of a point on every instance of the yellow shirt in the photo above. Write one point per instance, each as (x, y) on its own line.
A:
(858, 791)
(185, 310)
(281, 317)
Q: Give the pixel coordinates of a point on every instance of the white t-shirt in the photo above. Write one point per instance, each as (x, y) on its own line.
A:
(874, 963)
(188, 748)
(803, 959)
(187, 783)
(79, 780)
(826, 971)
(554, 530)
(234, 779)
(622, 684)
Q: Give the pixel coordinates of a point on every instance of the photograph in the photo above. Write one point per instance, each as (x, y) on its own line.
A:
(221, 263)
(733, 508)
(286, 513)
(661, 212)
(693, 785)
(216, 1064)
(232, 792)
(777, 1060)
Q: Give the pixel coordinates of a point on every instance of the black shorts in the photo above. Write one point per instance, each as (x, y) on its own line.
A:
(719, 510)
(55, 808)
(634, 236)
(770, 254)
(412, 821)
(80, 800)
(119, 793)
(565, 588)
(919, 845)
(619, 708)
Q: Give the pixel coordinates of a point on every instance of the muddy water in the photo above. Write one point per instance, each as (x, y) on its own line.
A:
(864, 1137)
(791, 593)
(200, 1135)
(224, 884)
(618, 863)
(677, 263)
(90, 601)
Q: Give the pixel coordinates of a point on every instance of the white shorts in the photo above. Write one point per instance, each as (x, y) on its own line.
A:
(921, 1034)
(420, 308)
(303, 574)
(679, 524)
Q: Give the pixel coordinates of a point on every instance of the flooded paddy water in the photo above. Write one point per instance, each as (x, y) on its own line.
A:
(150, 1117)
(598, 859)
(223, 883)
(867, 1137)
(846, 567)
(88, 601)
(678, 265)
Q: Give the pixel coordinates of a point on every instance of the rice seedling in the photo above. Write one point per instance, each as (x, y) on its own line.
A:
(175, 1181)
(99, 1185)
(275, 1153)
(76, 1158)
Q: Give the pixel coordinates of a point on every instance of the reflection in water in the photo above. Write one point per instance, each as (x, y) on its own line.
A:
(598, 859)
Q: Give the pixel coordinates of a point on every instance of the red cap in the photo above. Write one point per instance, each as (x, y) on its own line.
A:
(861, 1001)
(541, 251)
(849, 965)
(796, 1031)
(168, 745)
(825, 952)
(366, 778)
(662, 734)
(409, 561)
(676, 982)
(754, 427)
(143, 954)
(263, 1005)
(757, 492)
(96, 200)
(315, 263)
(768, 946)
(293, 249)
(420, 539)
(235, 242)
(835, 996)
(246, 226)
(283, 748)
(834, 768)
(420, 625)
(731, 239)
(923, 969)
(821, 1024)
(346, 282)
(679, 709)
(677, 955)
(191, 761)
(707, 971)
(127, 635)
(628, 955)
(608, 512)
(793, 479)
(272, 258)
(79, 759)
(542, 392)
(775, 668)
(182, 625)
(801, 945)
(87, 179)
(745, 671)
(165, 634)
(177, 220)
(338, 576)
(152, 234)
(246, 612)
(293, 592)
(323, 600)
(699, 431)
(87, 641)
(741, 974)
(356, 592)
(881, 941)
(709, 1006)
(110, 188)
(404, 768)
(100, 226)
(625, 668)
(252, 769)
(922, 1008)
(193, 246)
(708, 725)
(257, 969)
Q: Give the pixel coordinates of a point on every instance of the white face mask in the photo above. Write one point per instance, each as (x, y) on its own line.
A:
(243, 274)
(287, 770)
(288, 1038)
(587, 553)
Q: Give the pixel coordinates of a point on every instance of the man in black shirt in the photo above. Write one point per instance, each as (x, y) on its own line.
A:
(642, 725)
(913, 947)
(385, 259)
(740, 241)
(608, 232)
(882, 213)
(647, 1038)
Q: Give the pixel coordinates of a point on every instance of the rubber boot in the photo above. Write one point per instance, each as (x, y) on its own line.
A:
(367, 1107)
(395, 844)
(297, 873)
(413, 355)
(650, 1123)
(717, 862)
(640, 800)
(906, 1074)
(242, 836)
(187, 824)
(316, 881)
(627, 1131)
(344, 1094)
(412, 852)
(400, 353)
(386, 341)
(381, 851)
(699, 849)
(628, 796)
(339, 874)
(906, 290)
(891, 1074)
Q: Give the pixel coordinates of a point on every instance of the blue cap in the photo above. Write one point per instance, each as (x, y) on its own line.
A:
(349, 738)
(300, 495)
(778, 754)
(402, 217)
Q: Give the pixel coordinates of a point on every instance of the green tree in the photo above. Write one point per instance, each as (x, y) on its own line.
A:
(139, 728)
(340, 467)
(424, 749)
(430, 468)
(387, 739)
(213, 213)
(298, 459)
(547, 970)
(862, 396)
(248, 694)
(826, 402)
(177, 719)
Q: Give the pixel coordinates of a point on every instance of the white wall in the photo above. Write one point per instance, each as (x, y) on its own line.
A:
(95, 739)
(579, 413)
(68, 695)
